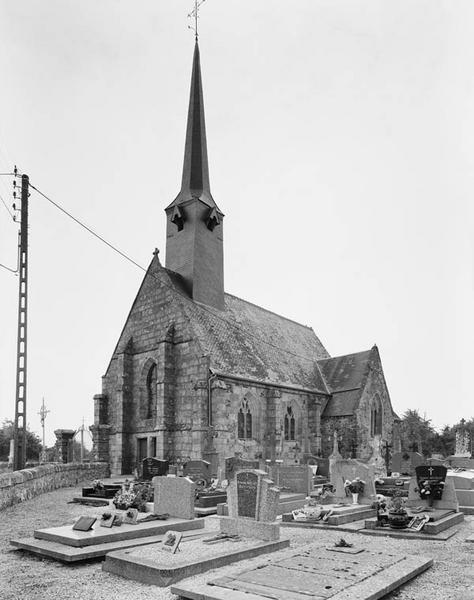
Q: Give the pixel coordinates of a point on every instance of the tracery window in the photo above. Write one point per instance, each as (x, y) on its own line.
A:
(289, 426)
(244, 422)
(151, 380)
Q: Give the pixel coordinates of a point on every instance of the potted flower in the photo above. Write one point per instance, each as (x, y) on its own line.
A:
(397, 515)
(355, 487)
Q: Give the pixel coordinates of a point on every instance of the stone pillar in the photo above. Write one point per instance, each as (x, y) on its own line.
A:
(64, 444)
(101, 404)
(272, 396)
(314, 425)
(396, 437)
(100, 442)
(165, 406)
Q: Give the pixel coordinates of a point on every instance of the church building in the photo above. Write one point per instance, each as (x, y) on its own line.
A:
(199, 373)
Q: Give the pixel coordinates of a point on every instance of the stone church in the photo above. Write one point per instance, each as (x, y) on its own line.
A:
(199, 373)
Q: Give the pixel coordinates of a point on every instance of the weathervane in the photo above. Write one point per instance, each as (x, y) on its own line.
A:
(194, 14)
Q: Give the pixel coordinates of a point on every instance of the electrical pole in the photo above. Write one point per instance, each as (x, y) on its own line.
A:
(42, 413)
(19, 450)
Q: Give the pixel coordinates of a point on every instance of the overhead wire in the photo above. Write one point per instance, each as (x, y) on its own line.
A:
(176, 291)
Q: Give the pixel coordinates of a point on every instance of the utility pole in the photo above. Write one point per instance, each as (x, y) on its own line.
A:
(19, 450)
(42, 413)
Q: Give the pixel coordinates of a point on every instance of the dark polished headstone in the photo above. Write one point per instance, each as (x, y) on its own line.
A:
(154, 467)
(247, 483)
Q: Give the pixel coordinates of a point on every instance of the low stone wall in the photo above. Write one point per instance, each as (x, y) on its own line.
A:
(18, 486)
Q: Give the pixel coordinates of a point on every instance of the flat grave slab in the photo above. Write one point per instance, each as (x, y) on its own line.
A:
(432, 528)
(101, 535)
(152, 565)
(71, 554)
(311, 572)
(341, 515)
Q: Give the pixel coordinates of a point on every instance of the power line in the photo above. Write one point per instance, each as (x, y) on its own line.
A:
(5, 205)
(88, 229)
(172, 288)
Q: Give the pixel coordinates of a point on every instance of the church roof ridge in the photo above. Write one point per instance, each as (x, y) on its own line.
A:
(269, 311)
(339, 356)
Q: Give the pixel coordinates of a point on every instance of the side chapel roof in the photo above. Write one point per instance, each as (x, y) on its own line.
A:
(345, 377)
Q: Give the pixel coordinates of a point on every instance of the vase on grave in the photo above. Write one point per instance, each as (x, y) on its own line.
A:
(355, 498)
(398, 519)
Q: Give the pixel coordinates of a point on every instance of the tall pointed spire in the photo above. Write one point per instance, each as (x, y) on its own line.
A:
(194, 230)
(195, 180)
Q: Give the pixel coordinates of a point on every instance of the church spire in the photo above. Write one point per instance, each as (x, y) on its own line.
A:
(195, 180)
(194, 236)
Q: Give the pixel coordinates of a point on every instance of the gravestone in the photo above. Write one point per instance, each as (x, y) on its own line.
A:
(295, 478)
(347, 470)
(253, 502)
(198, 471)
(237, 463)
(463, 441)
(406, 462)
(433, 474)
(174, 496)
(154, 467)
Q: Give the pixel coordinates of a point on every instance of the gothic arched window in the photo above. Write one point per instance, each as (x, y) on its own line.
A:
(376, 417)
(289, 424)
(244, 422)
(151, 379)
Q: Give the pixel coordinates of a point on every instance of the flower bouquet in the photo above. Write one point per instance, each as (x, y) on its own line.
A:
(430, 489)
(354, 487)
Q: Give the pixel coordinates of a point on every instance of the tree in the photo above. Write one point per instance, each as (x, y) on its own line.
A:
(33, 442)
(417, 433)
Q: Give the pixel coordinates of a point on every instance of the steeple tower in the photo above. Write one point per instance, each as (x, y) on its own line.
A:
(194, 236)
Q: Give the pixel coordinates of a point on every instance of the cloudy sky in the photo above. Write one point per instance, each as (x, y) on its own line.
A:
(341, 149)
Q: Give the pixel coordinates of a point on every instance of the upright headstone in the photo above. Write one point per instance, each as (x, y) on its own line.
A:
(434, 475)
(199, 471)
(253, 503)
(463, 441)
(154, 467)
(236, 463)
(174, 496)
(294, 478)
(347, 470)
(405, 463)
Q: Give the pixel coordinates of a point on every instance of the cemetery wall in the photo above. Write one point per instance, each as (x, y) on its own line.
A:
(18, 486)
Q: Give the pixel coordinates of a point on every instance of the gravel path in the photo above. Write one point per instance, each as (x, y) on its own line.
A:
(26, 577)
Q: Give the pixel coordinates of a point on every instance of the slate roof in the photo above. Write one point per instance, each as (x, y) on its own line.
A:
(345, 379)
(249, 341)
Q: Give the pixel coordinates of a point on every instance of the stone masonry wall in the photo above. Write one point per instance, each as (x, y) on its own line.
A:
(156, 332)
(375, 387)
(18, 486)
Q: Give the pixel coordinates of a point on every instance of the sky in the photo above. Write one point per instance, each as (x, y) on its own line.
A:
(341, 150)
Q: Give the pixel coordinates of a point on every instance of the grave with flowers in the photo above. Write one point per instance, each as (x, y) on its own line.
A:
(430, 512)
(351, 499)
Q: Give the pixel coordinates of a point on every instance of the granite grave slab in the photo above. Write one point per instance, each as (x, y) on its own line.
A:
(311, 572)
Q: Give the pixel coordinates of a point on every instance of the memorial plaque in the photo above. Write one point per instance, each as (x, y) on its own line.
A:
(247, 483)
(84, 523)
(154, 467)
